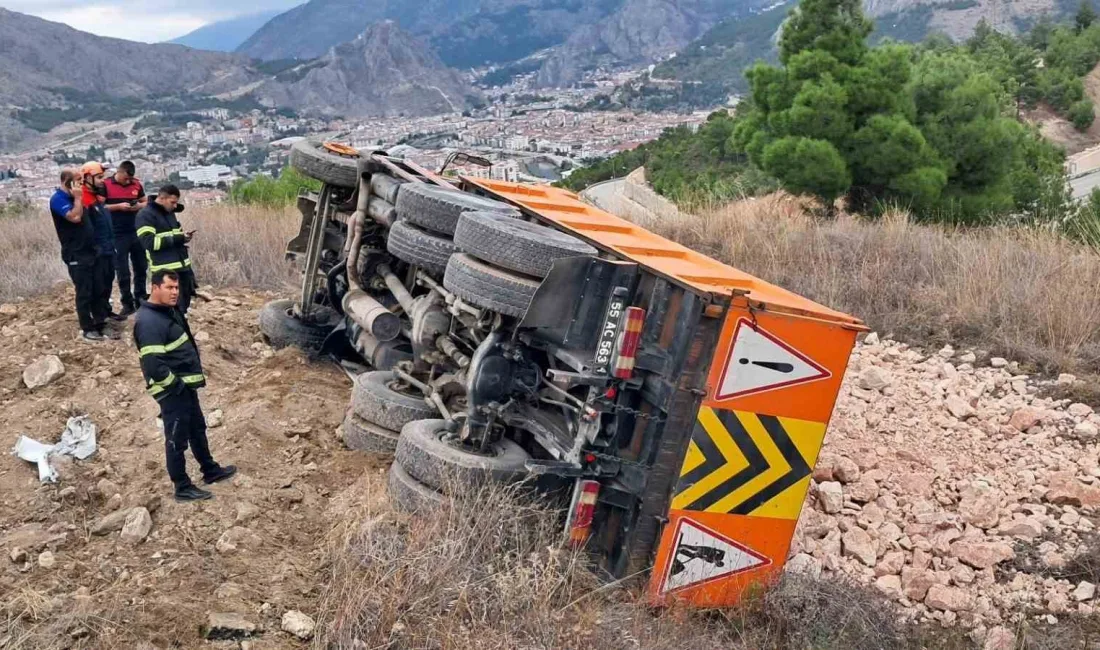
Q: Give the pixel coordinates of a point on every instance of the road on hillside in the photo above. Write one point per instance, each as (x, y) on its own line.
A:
(1084, 185)
(606, 195)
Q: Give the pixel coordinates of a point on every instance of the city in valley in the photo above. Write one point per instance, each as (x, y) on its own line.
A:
(530, 136)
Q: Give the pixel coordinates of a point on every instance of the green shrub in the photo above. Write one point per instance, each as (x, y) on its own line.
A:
(1081, 115)
(273, 192)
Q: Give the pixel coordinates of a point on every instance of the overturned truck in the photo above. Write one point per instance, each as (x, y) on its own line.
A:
(512, 332)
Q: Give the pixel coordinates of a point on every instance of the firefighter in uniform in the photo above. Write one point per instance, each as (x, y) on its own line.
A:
(165, 242)
(173, 375)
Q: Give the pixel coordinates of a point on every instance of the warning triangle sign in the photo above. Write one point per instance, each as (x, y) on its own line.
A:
(701, 555)
(760, 361)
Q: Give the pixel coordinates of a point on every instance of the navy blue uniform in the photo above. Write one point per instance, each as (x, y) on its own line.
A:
(78, 252)
(173, 374)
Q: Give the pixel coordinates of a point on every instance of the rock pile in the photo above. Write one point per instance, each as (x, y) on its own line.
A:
(938, 473)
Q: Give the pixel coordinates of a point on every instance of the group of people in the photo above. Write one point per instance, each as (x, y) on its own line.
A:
(106, 225)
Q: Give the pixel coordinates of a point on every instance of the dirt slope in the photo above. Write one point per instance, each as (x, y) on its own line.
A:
(1059, 130)
(280, 419)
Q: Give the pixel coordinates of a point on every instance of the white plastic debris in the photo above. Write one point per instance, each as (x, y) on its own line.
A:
(33, 451)
(78, 441)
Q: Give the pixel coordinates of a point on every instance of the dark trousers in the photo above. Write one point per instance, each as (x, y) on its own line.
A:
(104, 281)
(187, 290)
(185, 426)
(88, 310)
(128, 251)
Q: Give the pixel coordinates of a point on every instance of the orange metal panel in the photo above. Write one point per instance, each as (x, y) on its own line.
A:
(662, 256)
(771, 390)
(814, 356)
(711, 560)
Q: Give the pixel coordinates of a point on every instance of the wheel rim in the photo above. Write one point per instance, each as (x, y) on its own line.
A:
(340, 149)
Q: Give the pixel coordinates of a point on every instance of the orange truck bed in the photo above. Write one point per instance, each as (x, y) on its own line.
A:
(772, 386)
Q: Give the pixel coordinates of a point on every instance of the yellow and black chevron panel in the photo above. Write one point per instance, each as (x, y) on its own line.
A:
(748, 464)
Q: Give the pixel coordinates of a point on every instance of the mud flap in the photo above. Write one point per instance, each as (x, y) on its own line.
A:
(307, 205)
(744, 477)
(569, 305)
(338, 346)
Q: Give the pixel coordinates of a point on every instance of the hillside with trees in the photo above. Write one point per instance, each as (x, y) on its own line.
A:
(930, 128)
(1046, 63)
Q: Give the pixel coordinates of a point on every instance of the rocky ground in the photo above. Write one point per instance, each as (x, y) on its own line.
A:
(105, 558)
(948, 482)
(953, 486)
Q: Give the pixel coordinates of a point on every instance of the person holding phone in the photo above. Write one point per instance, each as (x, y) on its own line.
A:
(125, 198)
(94, 196)
(165, 242)
(78, 252)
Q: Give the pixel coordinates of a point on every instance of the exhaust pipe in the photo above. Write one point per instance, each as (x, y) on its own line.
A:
(371, 315)
(355, 227)
(396, 287)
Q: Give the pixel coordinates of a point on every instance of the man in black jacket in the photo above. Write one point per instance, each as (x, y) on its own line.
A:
(173, 374)
(165, 242)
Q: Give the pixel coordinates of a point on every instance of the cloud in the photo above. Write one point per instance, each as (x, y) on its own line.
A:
(149, 21)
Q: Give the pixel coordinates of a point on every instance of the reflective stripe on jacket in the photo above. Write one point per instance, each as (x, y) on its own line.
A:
(169, 355)
(163, 239)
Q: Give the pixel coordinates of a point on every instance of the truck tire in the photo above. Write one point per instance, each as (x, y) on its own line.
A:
(515, 244)
(489, 287)
(312, 159)
(437, 208)
(419, 247)
(283, 329)
(376, 402)
(410, 495)
(360, 435)
(442, 466)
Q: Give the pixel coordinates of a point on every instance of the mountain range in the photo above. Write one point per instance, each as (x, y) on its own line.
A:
(225, 35)
(389, 57)
(53, 74)
(45, 62)
(469, 33)
(383, 71)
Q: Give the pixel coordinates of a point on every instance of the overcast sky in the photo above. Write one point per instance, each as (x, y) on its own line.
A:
(150, 21)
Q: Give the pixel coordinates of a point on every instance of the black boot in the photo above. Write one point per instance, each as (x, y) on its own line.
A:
(221, 474)
(192, 493)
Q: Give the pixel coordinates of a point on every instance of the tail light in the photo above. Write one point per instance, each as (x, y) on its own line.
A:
(628, 342)
(584, 507)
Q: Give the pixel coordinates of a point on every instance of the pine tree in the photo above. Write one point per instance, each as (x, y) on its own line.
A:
(1085, 17)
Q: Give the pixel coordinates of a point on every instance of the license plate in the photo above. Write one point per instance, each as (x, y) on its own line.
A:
(605, 347)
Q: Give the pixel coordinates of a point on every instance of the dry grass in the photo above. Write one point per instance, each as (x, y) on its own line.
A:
(1021, 293)
(30, 258)
(487, 571)
(32, 620)
(243, 246)
(235, 246)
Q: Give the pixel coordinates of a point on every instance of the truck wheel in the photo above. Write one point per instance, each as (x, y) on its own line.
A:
(486, 286)
(360, 435)
(314, 160)
(515, 244)
(424, 454)
(377, 402)
(427, 250)
(437, 208)
(410, 495)
(283, 328)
